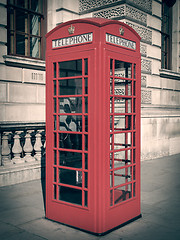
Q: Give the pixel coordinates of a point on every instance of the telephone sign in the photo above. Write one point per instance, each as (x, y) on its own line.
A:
(93, 124)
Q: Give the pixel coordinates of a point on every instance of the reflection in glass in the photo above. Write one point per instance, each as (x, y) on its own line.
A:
(134, 71)
(35, 47)
(70, 159)
(111, 67)
(86, 180)
(122, 122)
(70, 68)
(123, 69)
(70, 123)
(70, 105)
(70, 195)
(122, 193)
(55, 175)
(70, 141)
(35, 22)
(70, 86)
(54, 105)
(86, 123)
(111, 197)
(20, 44)
(122, 105)
(122, 87)
(67, 176)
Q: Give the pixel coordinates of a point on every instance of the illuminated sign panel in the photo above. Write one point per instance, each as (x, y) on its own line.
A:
(120, 41)
(73, 40)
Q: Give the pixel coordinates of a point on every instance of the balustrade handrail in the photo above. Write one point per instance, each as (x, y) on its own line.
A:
(21, 142)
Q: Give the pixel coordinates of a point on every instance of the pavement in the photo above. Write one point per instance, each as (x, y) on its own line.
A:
(22, 215)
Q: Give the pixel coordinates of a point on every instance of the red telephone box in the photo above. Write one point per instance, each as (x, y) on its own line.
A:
(93, 124)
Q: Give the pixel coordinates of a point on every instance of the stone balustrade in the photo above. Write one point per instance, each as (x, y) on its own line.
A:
(21, 143)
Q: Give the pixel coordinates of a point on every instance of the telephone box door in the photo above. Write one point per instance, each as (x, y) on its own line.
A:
(69, 125)
(124, 138)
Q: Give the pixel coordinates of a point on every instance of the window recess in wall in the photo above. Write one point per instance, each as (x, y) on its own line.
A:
(25, 27)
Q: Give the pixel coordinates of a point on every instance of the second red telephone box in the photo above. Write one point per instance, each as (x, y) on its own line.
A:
(93, 124)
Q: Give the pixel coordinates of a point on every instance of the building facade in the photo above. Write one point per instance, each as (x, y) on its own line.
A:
(23, 25)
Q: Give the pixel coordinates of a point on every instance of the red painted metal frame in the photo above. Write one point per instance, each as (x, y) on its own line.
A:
(99, 216)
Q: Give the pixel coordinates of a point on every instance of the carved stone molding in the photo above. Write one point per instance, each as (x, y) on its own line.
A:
(88, 5)
(143, 49)
(111, 12)
(146, 96)
(123, 11)
(144, 33)
(143, 81)
(146, 65)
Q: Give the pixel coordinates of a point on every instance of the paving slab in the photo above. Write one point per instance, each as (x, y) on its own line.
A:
(22, 214)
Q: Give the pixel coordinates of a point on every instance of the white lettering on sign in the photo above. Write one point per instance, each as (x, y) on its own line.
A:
(68, 41)
(120, 41)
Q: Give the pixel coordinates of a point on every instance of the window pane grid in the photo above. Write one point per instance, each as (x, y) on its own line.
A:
(26, 27)
(72, 107)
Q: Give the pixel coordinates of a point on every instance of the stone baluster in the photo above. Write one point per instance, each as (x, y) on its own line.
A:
(6, 160)
(28, 148)
(38, 145)
(17, 149)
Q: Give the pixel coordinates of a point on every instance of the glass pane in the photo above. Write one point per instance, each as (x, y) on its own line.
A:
(54, 87)
(55, 123)
(22, 3)
(86, 142)
(70, 141)
(21, 21)
(123, 69)
(111, 67)
(134, 172)
(134, 89)
(134, 71)
(67, 176)
(70, 86)
(55, 191)
(86, 180)
(86, 160)
(21, 41)
(54, 65)
(70, 195)
(55, 157)
(111, 86)
(36, 5)
(70, 123)
(122, 158)
(86, 85)
(111, 197)
(70, 105)
(70, 68)
(122, 176)
(111, 141)
(35, 24)
(55, 140)
(122, 122)
(86, 104)
(85, 198)
(55, 175)
(86, 123)
(86, 66)
(122, 87)
(122, 105)
(111, 179)
(122, 193)
(122, 140)
(54, 105)
(35, 47)
(70, 159)
(134, 189)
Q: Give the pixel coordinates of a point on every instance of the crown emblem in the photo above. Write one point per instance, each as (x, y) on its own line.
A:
(71, 29)
(121, 31)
